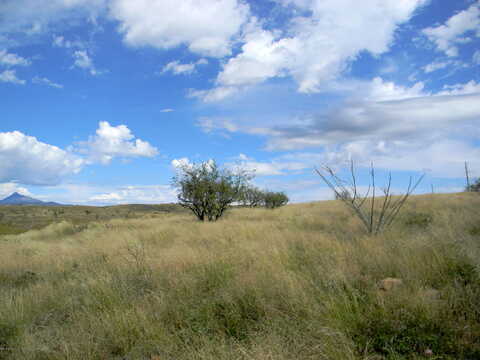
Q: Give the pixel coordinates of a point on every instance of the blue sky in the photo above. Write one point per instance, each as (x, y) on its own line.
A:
(100, 99)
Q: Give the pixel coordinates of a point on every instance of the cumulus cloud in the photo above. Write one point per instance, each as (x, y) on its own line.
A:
(10, 76)
(44, 81)
(177, 68)
(25, 160)
(115, 141)
(380, 90)
(448, 36)
(10, 59)
(317, 47)
(206, 27)
(7, 189)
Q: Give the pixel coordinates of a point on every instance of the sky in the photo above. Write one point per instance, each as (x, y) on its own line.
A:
(101, 100)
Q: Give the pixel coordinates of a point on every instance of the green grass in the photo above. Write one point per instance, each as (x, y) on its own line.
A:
(299, 282)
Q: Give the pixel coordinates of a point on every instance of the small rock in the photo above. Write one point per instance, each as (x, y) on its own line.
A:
(390, 284)
(428, 352)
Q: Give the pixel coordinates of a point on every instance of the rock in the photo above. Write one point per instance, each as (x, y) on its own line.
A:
(428, 352)
(389, 284)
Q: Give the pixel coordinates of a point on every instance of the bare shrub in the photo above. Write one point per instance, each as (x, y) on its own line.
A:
(347, 191)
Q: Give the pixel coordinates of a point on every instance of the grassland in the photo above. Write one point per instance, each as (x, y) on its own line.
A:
(299, 282)
(15, 219)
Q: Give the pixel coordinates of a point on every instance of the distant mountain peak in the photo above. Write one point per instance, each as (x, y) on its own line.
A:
(19, 199)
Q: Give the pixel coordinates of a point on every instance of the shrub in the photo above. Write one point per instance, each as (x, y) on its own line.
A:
(275, 199)
(347, 191)
(421, 220)
(207, 190)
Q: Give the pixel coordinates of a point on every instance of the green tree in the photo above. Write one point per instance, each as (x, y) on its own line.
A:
(273, 200)
(252, 196)
(207, 190)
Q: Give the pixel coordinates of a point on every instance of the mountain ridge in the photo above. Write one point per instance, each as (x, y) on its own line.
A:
(19, 199)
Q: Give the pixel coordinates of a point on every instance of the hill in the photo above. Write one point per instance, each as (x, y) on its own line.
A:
(20, 218)
(19, 199)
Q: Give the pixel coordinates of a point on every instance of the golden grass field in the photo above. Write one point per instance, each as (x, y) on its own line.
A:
(298, 282)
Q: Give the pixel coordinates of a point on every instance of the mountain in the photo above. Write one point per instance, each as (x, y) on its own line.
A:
(19, 199)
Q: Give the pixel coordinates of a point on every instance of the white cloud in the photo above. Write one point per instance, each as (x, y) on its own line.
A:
(426, 118)
(398, 127)
(267, 168)
(44, 81)
(317, 47)
(10, 76)
(215, 94)
(7, 189)
(206, 27)
(9, 59)
(25, 160)
(447, 36)
(87, 194)
(471, 87)
(177, 68)
(380, 90)
(106, 198)
(476, 57)
(442, 158)
(115, 141)
(32, 17)
(79, 50)
(149, 194)
(166, 110)
(60, 41)
(434, 66)
(84, 61)
(209, 125)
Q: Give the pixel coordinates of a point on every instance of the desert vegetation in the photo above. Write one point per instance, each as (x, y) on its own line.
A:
(375, 219)
(208, 190)
(304, 281)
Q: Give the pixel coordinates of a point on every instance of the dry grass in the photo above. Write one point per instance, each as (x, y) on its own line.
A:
(299, 282)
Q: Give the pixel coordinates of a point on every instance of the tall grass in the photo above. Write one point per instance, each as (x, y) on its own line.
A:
(299, 282)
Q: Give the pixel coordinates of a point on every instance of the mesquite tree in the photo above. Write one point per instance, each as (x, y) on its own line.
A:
(252, 196)
(207, 190)
(275, 199)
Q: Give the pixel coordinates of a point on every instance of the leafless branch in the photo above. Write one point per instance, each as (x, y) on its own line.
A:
(373, 220)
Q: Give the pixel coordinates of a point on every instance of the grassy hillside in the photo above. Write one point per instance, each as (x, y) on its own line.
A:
(20, 218)
(299, 282)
